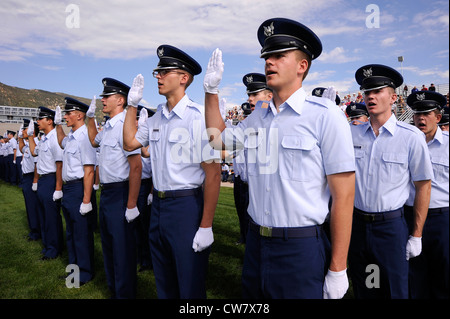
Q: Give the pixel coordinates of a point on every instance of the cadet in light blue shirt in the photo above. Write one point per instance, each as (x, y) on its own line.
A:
(428, 272)
(29, 178)
(49, 191)
(186, 178)
(120, 176)
(298, 154)
(79, 158)
(389, 155)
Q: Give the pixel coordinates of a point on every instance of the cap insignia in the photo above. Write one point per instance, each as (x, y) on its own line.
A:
(420, 97)
(161, 52)
(268, 31)
(249, 79)
(367, 72)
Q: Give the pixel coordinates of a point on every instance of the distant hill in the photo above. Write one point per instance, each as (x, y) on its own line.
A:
(14, 96)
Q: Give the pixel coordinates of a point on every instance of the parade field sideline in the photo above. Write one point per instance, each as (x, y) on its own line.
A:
(24, 276)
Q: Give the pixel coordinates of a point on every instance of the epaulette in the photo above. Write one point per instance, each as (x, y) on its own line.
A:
(321, 101)
(409, 127)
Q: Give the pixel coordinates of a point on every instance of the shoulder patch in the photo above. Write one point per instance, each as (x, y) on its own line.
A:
(262, 105)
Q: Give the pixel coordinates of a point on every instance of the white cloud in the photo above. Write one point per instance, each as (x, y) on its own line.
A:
(337, 55)
(131, 29)
(388, 42)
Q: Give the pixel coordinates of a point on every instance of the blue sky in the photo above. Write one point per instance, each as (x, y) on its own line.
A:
(69, 47)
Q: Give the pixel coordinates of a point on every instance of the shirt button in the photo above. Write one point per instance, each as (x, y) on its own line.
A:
(268, 189)
(267, 212)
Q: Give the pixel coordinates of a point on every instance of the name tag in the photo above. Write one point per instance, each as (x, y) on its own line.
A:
(357, 146)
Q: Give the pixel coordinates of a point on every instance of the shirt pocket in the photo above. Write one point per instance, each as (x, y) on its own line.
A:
(440, 168)
(297, 158)
(179, 148)
(394, 167)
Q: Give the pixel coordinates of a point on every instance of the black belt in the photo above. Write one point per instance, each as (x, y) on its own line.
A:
(177, 193)
(115, 185)
(285, 232)
(375, 217)
(28, 174)
(79, 180)
(439, 210)
(49, 174)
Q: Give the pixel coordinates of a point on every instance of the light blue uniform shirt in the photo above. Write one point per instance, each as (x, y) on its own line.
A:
(386, 164)
(49, 152)
(439, 155)
(28, 161)
(112, 162)
(178, 144)
(288, 157)
(78, 152)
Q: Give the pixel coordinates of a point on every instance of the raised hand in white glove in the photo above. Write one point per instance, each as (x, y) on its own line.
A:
(413, 247)
(214, 73)
(335, 285)
(58, 116)
(202, 239)
(85, 208)
(131, 214)
(91, 111)
(30, 130)
(20, 132)
(143, 116)
(57, 195)
(34, 187)
(330, 93)
(149, 199)
(136, 91)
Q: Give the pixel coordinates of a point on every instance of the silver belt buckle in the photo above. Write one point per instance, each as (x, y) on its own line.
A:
(265, 231)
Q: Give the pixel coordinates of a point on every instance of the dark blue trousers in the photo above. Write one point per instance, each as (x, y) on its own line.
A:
(12, 169)
(285, 268)
(382, 244)
(143, 224)
(31, 206)
(79, 231)
(19, 175)
(241, 201)
(51, 221)
(118, 241)
(180, 273)
(429, 272)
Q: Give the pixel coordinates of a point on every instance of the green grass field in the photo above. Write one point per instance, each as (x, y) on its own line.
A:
(24, 276)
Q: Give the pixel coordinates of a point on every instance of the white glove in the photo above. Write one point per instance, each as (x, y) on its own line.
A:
(131, 214)
(202, 239)
(57, 195)
(58, 116)
(96, 187)
(335, 285)
(413, 247)
(214, 73)
(136, 91)
(34, 187)
(143, 116)
(30, 130)
(149, 199)
(85, 208)
(14, 161)
(91, 111)
(222, 108)
(20, 132)
(330, 93)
